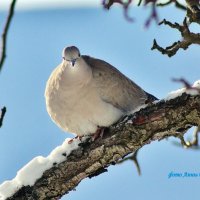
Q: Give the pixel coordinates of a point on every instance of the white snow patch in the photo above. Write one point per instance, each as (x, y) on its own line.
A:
(193, 91)
(56, 154)
(196, 84)
(138, 109)
(129, 121)
(33, 170)
(8, 188)
(175, 94)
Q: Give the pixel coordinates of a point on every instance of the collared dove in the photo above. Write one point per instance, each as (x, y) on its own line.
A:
(85, 93)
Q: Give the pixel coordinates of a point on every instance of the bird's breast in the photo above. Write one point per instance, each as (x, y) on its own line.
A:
(80, 109)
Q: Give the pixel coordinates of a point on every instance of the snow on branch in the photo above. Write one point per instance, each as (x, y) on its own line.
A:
(69, 164)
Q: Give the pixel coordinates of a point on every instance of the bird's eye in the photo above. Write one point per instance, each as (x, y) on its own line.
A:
(79, 55)
(63, 58)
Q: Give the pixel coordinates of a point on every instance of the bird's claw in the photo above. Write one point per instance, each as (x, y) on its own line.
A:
(98, 133)
(77, 137)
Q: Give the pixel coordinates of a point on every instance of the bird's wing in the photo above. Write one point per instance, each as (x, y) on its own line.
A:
(114, 87)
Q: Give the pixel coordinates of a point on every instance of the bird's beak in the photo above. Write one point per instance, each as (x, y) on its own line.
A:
(73, 62)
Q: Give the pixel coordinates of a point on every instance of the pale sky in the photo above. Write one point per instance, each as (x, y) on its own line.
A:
(31, 4)
(35, 4)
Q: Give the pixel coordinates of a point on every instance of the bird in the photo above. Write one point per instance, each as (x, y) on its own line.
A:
(84, 94)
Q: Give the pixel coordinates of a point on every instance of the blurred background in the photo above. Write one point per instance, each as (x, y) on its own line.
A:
(39, 31)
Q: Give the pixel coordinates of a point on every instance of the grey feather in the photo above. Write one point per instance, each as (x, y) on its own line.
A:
(114, 87)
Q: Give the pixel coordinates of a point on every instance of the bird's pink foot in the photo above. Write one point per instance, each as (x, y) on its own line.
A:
(98, 133)
(77, 137)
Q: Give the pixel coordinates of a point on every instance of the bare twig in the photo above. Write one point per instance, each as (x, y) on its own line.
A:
(5, 33)
(126, 4)
(126, 7)
(188, 38)
(139, 3)
(183, 142)
(177, 4)
(3, 112)
(109, 3)
(153, 15)
(186, 84)
(193, 144)
(133, 158)
(170, 50)
(165, 4)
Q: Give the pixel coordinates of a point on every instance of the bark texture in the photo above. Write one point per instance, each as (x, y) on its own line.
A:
(155, 122)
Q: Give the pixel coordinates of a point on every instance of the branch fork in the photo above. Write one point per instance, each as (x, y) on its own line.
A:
(188, 38)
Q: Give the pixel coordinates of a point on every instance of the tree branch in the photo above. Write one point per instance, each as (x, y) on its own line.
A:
(107, 4)
(3, 112)
(177, 4)
(194, 142)
(133, 158)
(193, 11)
(188, 38)
(155, 122)
(125, 4)
(5, 33)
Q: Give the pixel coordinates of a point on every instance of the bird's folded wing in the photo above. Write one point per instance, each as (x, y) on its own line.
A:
(114, 87)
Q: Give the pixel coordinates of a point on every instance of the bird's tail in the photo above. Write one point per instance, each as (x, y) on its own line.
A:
(150, 98)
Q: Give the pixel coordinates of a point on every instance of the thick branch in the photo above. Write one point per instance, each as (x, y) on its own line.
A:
(5, 33)
(155, 122)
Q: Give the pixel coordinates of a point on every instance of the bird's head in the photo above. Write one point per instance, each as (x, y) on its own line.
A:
(71, 54)
(74, 68)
